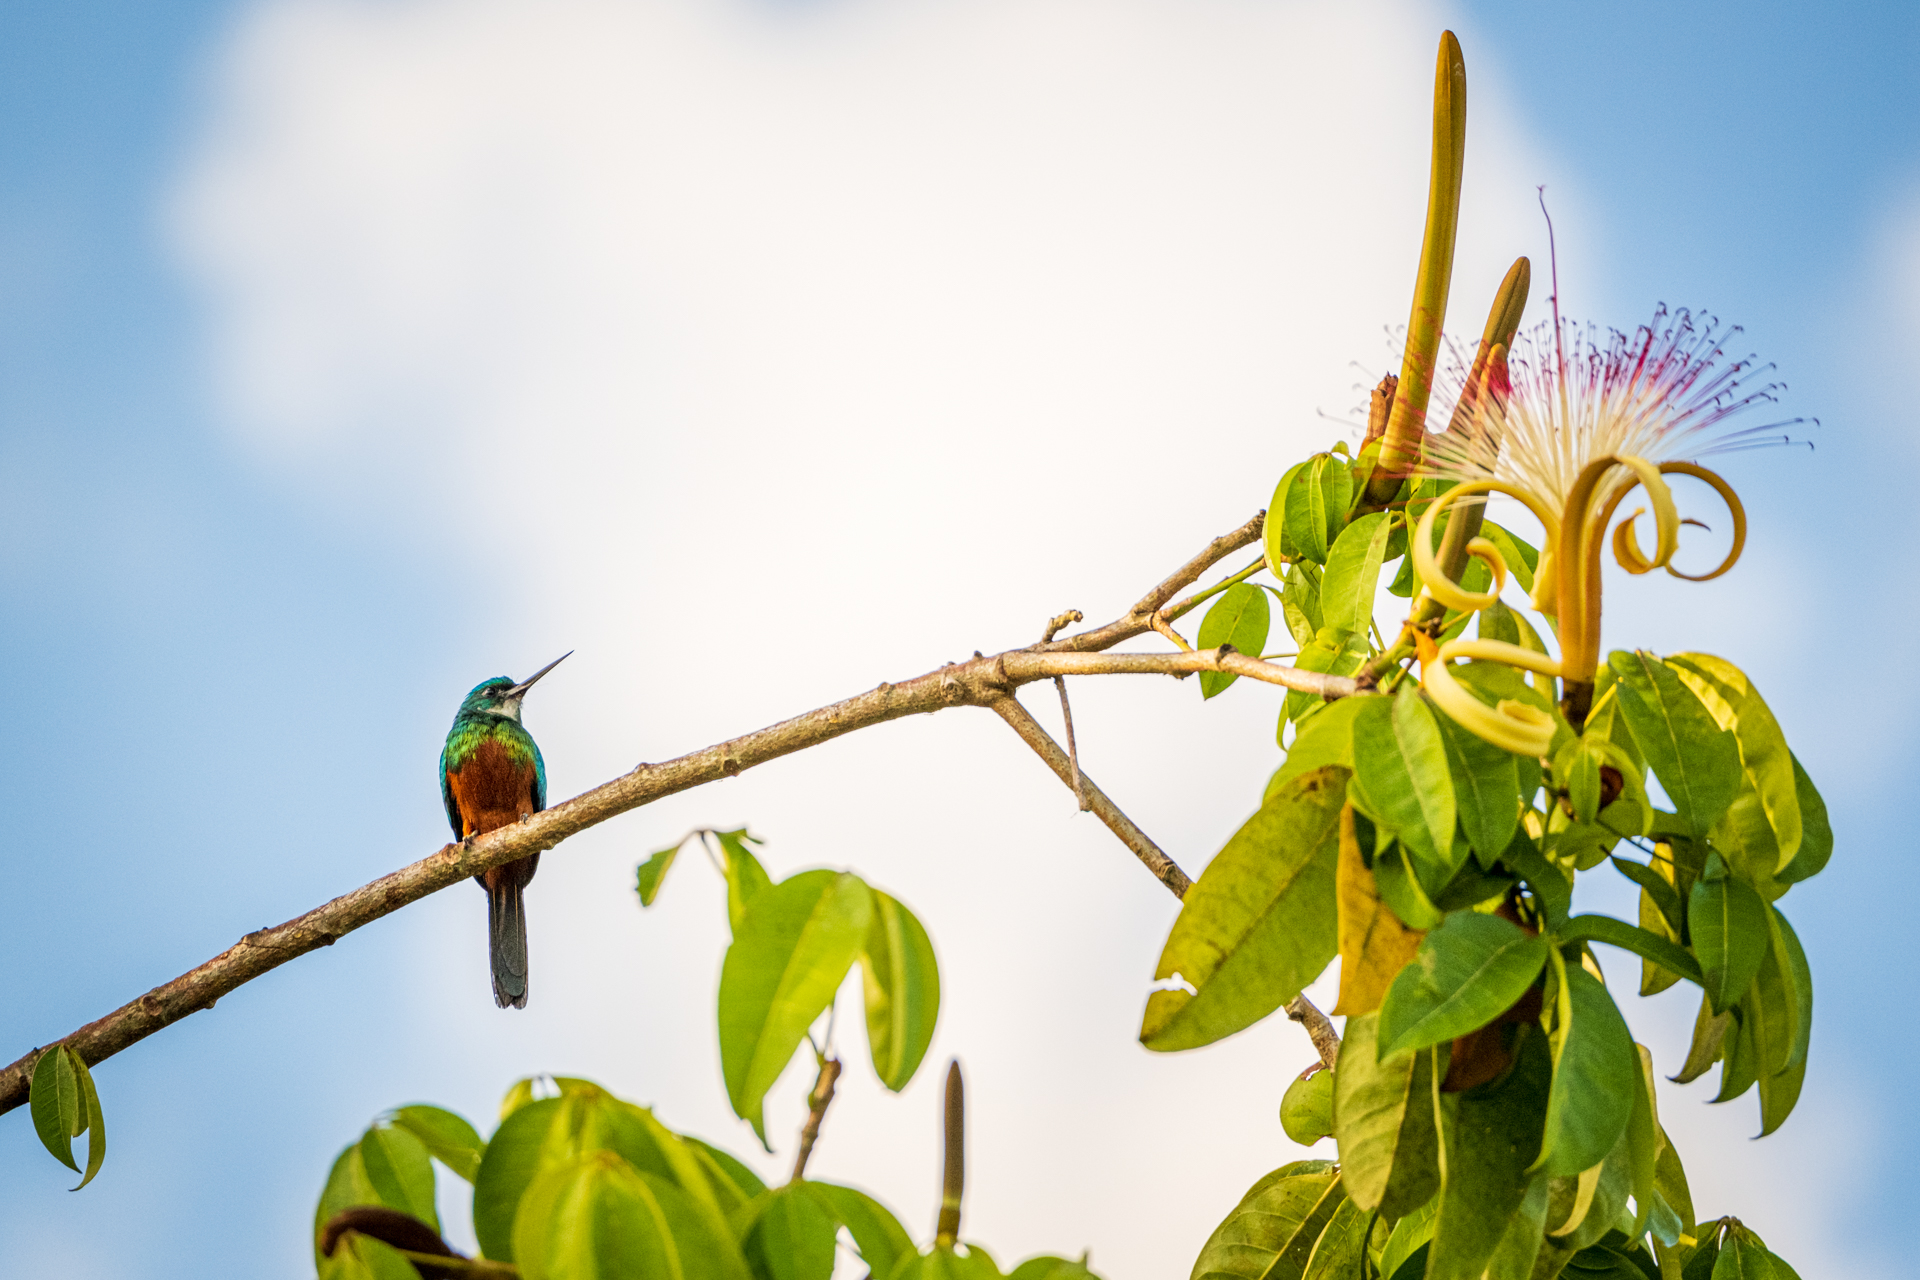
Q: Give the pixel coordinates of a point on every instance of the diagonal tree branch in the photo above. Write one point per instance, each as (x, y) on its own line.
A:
(982, 681)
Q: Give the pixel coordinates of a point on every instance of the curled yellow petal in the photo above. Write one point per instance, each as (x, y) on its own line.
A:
(1626, 547)
(1427, 566)
(1512, 726)
(1666, 517)
(1734, 508)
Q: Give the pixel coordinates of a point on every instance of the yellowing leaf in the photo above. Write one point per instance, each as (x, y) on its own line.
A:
(1374, 944)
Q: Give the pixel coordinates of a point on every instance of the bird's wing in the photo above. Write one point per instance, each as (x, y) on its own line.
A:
(446, 797)
(539, 777)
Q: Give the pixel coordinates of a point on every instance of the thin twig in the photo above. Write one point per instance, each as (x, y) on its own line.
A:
(1156, 860)
(817, 1103)
(1073, 750)
(983, 681)
(1326, 1041)
(1059, 621)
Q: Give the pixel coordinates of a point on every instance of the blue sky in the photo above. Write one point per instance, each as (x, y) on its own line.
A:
(242, 602)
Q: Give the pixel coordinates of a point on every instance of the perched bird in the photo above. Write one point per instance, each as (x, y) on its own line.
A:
(491, 775)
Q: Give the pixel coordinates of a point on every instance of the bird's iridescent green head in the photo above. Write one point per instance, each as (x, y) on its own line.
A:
(501, 696)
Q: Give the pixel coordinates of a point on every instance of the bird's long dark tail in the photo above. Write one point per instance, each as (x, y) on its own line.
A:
(507, 935)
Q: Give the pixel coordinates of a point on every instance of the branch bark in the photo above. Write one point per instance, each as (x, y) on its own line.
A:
(982, 681)
(817, 1103)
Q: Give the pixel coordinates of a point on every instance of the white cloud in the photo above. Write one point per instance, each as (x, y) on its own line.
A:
(763, 353)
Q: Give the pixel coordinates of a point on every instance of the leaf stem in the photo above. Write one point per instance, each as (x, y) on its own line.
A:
(954, 1177)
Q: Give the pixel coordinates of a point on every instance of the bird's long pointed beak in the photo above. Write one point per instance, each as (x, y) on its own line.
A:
(520, 690)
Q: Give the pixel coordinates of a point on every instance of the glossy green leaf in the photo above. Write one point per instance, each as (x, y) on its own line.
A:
(1816, 832)
(1552, 887)
(1339, 1252)
(794, 1237)
(653, 871)
(1383, 1121)
(1697, 761)
(1401, 890)
(1736, 705)
(1410, 1235)
(1521, 1244)
(1306, 1109)
(948, 1264)
(1493, 1139)
(1280, 546)
(1780, 1009)
(1521, 556)
(1270, 1235)
(1241, 618)
(1402, 781)
(1665, 897)
(1642, 942)
(1644, 1139)
(1727, 922)
(876, 1233)
(1259, 923)
(1467, 972)
(447, 1137)
(1300, 603)
(399, 1172)
(57, 1103)
(1595, 1075)
(1670, 1184)
(1325, 739)
(901, 983)
(596, 1217)
(554, 1131)
(1333, 652)
(1739, 1062)
(1048, 1267)
(359, 1257)
(732, 1182)
(790, 952)
(1486, 787)
(1353, 572)
(746, 878)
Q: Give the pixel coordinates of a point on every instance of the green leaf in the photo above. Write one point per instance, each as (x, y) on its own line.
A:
(1270, 1235)
(1383, 1121)
(1643, 943)
(58, 1106)
(653, 871)
(794, 1237)
(1816, 833)
(1697, 761)
(1738, 1061)
(596, 1217)
(1410, 1236)
(901, 983)
(1595, 1075)
(1240, 617)
(734, 1184)
(1048, 1267)
(789, 954)
(1342, 1244)
(1486, 787)
(1258, 925)
(1780, 1010)
(1306, 1109)
(399, 1172)
(1280, 546)
(1300, 603)
(1353, 572)
(1709, 1039)
(1493, 1139)
(1727, 922)
(878, 1235)
(1325, 739)
(1333, 652)
(1401, 890)
(1521, 556)
(360, 1257)
(447, 1137)
(1658, 887)
(1725, 691)
(1402, 781)
(942, 1263)
(1644, 1138)
(1521, 1244)
(1466, 973)
(745, 876)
